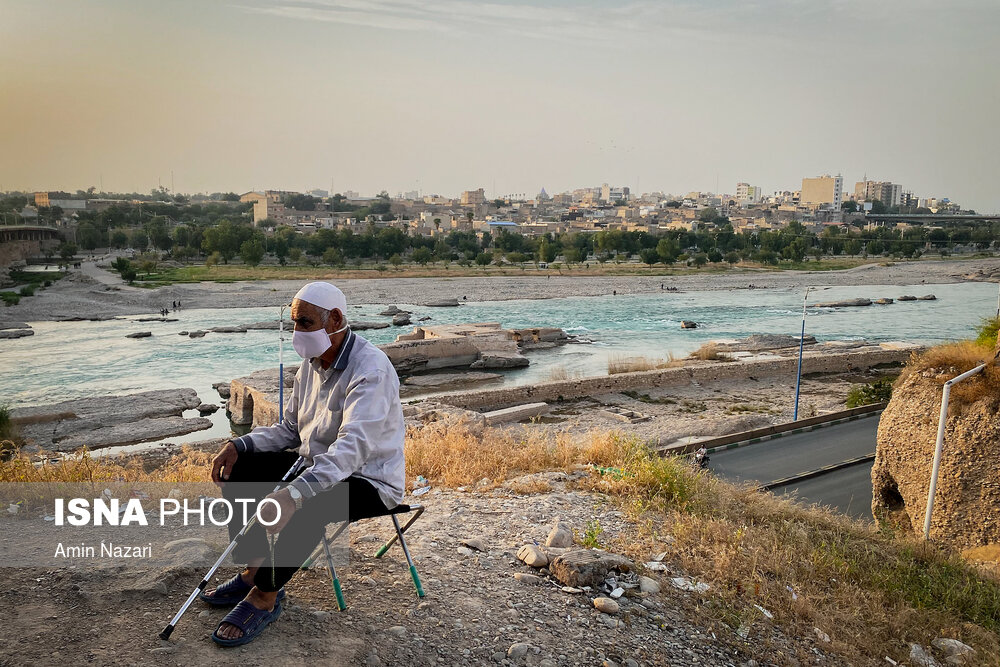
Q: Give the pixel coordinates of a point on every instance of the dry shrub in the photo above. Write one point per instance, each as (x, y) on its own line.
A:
(454, 454)
(952, 359)
(710, 352)
(624, 364)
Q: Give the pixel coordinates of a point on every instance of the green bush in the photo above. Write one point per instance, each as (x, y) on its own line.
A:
(986, 334)
(27, 290)
(879, 391)
(10, 298)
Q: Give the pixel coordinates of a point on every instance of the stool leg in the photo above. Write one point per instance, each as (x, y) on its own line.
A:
(315, 554)
(333, 576)
(419, 509)
(409, 560)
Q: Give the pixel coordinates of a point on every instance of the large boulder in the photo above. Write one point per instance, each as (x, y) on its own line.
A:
(967, 503)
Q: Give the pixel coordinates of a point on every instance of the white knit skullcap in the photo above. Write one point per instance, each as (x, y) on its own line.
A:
(324, 295)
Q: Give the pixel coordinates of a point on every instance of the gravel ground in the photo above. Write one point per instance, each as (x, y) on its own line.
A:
(475, 611)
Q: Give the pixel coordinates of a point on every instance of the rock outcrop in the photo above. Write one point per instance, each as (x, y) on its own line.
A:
(15, 330)
(967, 503)
(847, 303)
(105, 421)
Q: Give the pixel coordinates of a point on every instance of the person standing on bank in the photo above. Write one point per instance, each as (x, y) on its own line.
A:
(344, 416)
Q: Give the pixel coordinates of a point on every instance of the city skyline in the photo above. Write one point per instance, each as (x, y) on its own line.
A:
(444, 96)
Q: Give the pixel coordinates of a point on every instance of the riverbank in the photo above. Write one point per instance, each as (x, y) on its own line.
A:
(646, 562)
(92, 293)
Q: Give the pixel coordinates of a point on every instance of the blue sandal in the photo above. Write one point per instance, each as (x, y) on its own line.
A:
(231, 592)
(249, 619)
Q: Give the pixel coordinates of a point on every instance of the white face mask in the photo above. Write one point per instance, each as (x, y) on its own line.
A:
(309, 344)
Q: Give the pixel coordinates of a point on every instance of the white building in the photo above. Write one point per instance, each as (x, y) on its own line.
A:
(748, 194)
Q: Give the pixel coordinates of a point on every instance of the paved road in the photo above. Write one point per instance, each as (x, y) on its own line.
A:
(848, 490)
(793, 454)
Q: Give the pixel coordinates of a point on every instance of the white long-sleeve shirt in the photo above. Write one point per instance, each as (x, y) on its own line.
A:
(347, 420)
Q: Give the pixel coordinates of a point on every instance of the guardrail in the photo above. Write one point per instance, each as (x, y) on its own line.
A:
(769, 432)
(809, 474)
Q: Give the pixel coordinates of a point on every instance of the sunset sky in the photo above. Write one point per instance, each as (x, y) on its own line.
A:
(446, 95)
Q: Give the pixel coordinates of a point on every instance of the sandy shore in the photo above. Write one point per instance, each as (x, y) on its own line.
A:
(95, 293)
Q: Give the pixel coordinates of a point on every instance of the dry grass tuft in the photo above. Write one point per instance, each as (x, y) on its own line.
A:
(529, 486)
(188, 466)
(624, 364)
(947, 361)
(710, 352)
(451, 454)
(561, 374)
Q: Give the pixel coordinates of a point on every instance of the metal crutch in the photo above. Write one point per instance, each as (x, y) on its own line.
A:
(165, 634)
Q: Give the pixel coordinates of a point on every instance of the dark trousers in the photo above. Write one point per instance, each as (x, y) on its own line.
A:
(306, 526)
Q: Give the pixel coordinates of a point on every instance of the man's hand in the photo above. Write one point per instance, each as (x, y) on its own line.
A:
(268, 511)
(223, 463)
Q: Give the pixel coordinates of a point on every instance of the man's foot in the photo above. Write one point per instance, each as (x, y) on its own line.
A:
(245, 576)
(234, 590)
(260, 600)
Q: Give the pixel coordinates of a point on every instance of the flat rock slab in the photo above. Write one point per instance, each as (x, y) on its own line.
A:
(847, 303)
(587, 567)
(228, 329)
(362, 326)
(127, 434)
(500, 359)
(14, 325)
(16, 333)
(516, 413)
(267, 324)
(442, 303)
(49, 426)
(445, 380)
(140, 334)
(761, 342)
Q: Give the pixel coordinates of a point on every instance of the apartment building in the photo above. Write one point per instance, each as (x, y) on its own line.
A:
(822, 190)
(888, 193)
(473, 197)
(748, 194)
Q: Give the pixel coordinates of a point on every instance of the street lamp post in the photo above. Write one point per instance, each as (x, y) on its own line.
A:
(802, 336)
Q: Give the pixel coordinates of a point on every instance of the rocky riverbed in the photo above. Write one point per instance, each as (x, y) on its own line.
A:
(95, 293)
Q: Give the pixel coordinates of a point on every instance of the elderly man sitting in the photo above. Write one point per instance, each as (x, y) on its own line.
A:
(345, 418)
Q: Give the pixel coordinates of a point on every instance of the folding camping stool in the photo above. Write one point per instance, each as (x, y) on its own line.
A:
(392, 514)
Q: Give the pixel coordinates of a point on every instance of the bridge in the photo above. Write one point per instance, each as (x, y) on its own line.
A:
(929, 217)
(29, 233)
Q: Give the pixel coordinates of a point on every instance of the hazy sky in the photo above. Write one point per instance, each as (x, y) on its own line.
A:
(447, 95)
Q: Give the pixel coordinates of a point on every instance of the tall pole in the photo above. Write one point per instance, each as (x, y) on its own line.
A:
(802, 337)
(281, 365)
